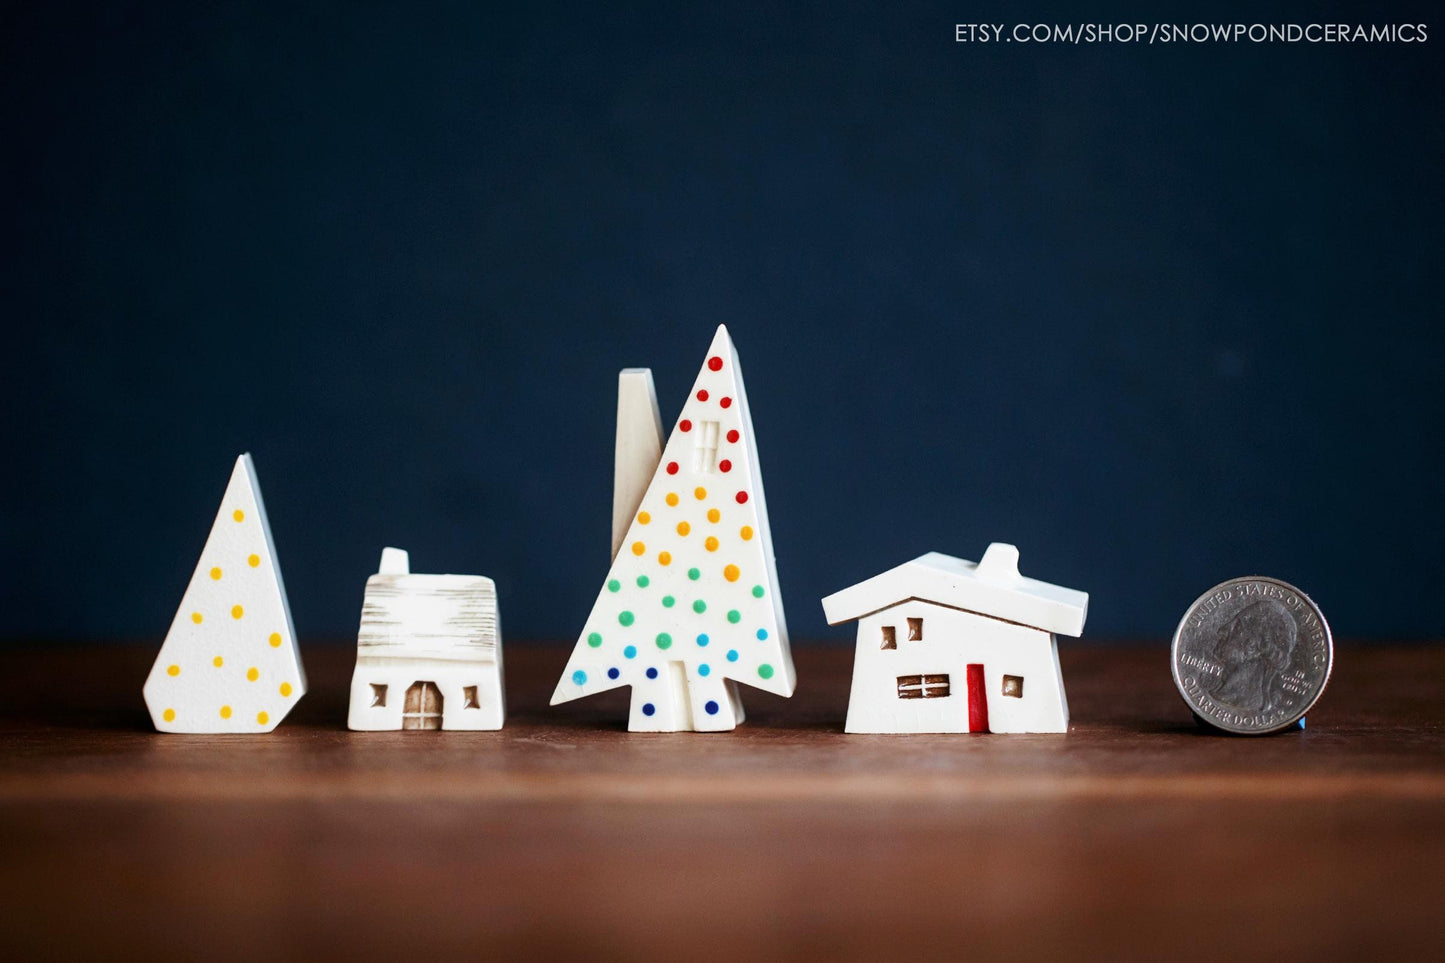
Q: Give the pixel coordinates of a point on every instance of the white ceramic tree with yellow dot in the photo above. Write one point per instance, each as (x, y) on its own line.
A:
(691, 605)
(229, 662)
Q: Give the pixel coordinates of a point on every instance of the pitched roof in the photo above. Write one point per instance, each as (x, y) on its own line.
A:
(438, 616)
(991, 587)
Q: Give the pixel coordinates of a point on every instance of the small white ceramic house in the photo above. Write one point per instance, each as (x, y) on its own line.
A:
(429, 654)
(946, 645)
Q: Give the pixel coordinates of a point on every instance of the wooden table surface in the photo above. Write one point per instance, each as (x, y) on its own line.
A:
(563, 836)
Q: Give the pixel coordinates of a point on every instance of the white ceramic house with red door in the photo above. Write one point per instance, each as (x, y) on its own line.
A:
(947, 645)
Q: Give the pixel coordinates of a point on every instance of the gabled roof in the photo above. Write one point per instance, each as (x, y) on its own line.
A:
(421, 616)
(991, 587)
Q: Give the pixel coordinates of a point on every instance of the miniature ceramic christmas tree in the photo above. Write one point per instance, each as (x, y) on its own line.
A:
(229, 662)
(691, 604)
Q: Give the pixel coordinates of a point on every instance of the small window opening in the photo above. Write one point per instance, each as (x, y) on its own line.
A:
(890, 638)
(915, 630)
(469, 697)
(378, 695)
(704, 453)
(1013, 685)
(923, 686)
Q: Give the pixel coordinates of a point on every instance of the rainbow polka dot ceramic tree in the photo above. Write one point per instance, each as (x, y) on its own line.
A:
(229, 662)
(691, 604)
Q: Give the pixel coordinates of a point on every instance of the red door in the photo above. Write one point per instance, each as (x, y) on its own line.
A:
(977, 700)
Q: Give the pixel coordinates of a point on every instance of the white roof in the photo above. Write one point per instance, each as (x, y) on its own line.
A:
(420, 616)
(991, 587)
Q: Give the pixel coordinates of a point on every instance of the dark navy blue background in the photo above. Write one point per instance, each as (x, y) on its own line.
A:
(1159, 315)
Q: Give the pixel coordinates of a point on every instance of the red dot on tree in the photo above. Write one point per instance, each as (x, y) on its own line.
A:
(702, 394)
(726, 402)
(715, 363)
(742, 497)
(672, 468)
(733, 435)
(724, 465)
(685, 425)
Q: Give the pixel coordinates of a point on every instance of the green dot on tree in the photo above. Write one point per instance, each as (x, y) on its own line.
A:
(594, 639)
(699, 606)
(734, 616)
(625, 618)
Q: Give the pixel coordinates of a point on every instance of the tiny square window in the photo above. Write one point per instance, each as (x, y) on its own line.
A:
(469, 697)
(378, 695)
(915, 630)
(890, 638)
(1013, 685)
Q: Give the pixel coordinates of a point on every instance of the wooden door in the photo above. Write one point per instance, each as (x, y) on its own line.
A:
(423, 707)
(977, 700)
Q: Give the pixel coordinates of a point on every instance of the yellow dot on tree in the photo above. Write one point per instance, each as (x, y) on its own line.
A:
(169, 715)
(285, 688)
(262, 718)
(664, 558)
(683, 528)
(254, 673)
(253, 560)
(275, 640)
(643, 518)
(713, 515)
(239, 515)
(196, 617)
(747, 533)
(731, 573)
(237, 611)
(173, 670)
(638, 548)
(225, 712)
(672, 499)
(710, 544)
(218, 662)
(699, 493)
(216, 574)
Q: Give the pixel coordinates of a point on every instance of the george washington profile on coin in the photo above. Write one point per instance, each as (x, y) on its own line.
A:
(1254, 647)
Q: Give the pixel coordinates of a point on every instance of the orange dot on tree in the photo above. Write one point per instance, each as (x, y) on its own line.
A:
(253, 673)
(196, 617)
(643, 518)
(711, 543)
(169, 715)
(239, 515)
(683, 528)
(173, 670)
(253, 560)
(699, 493)
(713, 514)
(218, 662)
(216, 574)
(225, 712)
(275, 640)
(285, 688)
(262, 718)
(664, 558)
(747, 533)
(237, 611)
(672, 499)
(638, 548)
(731, 573)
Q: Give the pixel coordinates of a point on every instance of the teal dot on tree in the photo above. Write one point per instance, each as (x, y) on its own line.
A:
(732, 655)
(613, 585)
(664, 641)
(734, 616)
(702, 639)
(668, 601)
(765, 670)
(704, 669)
(630, 652)
(643, 581)
(594, 639)
(625, 617)
(757, 591)
(699, 606)
(579, 677)
(694, 574)
(762, 634)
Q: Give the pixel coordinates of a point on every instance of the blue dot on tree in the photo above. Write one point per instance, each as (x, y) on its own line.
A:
(651, 672)
(613, 672)
(648, 708)
(711, 708)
